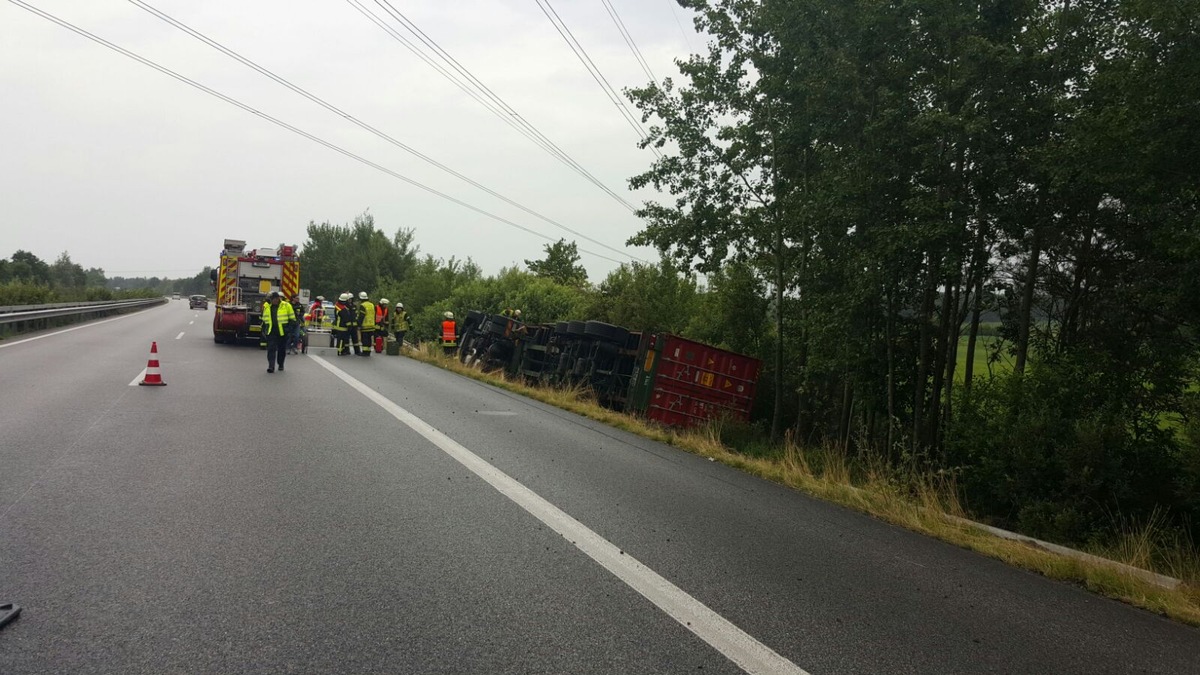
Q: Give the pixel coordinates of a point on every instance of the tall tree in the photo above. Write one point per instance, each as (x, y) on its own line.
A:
(561, 264)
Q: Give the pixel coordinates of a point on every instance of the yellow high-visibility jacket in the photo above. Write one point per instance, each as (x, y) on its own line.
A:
(366, 315)
(285, 315)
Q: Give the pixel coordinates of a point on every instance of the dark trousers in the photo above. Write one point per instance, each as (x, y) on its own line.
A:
(276, 350)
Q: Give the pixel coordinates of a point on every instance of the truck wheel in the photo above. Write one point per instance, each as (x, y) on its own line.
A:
(606, 332)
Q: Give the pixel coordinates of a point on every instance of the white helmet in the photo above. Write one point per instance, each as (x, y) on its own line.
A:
(517, 313)
(344, 297)
(449, 315)
(383, 301)
(362, 295)
(321, 297)
(400, 305)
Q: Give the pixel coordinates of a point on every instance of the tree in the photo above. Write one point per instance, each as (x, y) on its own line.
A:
(643, 297)
(67, 274)
(561, 264)
(355, 257)
(27, 267)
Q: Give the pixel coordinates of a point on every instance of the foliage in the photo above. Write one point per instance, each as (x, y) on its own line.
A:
(354, 258)
(561, 265)
(647, 297)
(900, 175)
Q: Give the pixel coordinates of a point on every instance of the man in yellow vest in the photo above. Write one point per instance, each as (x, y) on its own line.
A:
(366, 322)
(277, 321)
(399, 324)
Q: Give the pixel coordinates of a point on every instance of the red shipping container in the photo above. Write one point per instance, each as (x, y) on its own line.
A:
(695, 382)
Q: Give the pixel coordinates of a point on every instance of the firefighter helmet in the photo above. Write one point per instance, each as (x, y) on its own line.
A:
(383, 301)
(362, 295)
(344, 297)
(449, 315)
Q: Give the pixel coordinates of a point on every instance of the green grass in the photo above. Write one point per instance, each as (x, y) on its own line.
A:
(984, 346)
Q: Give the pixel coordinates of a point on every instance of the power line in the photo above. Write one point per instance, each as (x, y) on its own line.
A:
(679, 23)
(341, 113)
(234, 102)
(480, 92)
(593, 70)
(637, 53)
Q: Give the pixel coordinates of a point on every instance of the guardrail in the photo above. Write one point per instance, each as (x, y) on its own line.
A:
(19, 313)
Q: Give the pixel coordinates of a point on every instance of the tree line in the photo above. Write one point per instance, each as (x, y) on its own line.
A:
(26, 279)
(895, 172)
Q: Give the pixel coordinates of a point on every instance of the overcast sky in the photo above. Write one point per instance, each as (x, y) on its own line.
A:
(132, 171)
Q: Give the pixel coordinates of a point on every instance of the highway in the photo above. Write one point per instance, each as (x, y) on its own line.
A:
(380, 515)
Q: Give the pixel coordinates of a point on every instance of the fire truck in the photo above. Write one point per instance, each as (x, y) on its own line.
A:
(243, 280)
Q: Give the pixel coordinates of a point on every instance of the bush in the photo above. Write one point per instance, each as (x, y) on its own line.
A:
(1061, 453)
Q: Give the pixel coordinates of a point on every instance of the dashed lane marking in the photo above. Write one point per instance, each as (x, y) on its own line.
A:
(738, 646)
(179, 336)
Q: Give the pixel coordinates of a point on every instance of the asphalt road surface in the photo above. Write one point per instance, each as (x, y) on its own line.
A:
(378, 515)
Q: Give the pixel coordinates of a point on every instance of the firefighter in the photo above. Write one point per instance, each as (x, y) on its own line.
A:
(383, 318)
(366, 322)
(449, 334)
(277, 320)
(345, 325)
(399, 323)
(316, 312)
(295, 342)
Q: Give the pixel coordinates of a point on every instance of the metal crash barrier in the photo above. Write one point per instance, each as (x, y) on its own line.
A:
(18, 314)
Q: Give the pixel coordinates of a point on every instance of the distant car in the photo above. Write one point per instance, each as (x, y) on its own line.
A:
(198, 301)
(174, 296)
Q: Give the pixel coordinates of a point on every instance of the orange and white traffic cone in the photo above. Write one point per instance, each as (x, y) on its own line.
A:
(152, 378)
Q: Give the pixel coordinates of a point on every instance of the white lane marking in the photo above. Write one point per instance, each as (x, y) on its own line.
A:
(191, 322)
(738, 646)
(68, 330)
(179, 336)
(140, 376)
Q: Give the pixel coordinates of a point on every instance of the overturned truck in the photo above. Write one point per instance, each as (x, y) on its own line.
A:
(664, 377)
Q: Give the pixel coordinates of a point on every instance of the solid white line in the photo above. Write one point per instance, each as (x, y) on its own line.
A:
(140, 376)
(738, 646)
(179, 336)
(68, 330)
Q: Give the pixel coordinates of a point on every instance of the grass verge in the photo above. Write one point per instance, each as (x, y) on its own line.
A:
(916, 501)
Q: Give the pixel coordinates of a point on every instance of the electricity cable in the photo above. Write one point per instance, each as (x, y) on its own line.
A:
(497, 105)
(437, 49)
(675, 13)
(234, 102)
(637, 53)
(341, 113)
(594, 71)
(491, 107)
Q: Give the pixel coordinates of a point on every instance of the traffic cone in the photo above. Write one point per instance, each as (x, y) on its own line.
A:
(152, 378)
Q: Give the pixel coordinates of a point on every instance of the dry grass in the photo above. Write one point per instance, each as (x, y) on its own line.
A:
(912, 499)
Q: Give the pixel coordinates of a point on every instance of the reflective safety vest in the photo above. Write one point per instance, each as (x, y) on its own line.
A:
(366, 315)
(449, 336)
(343, 318)
(381, 315)
(285, 314)
(400, 320)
